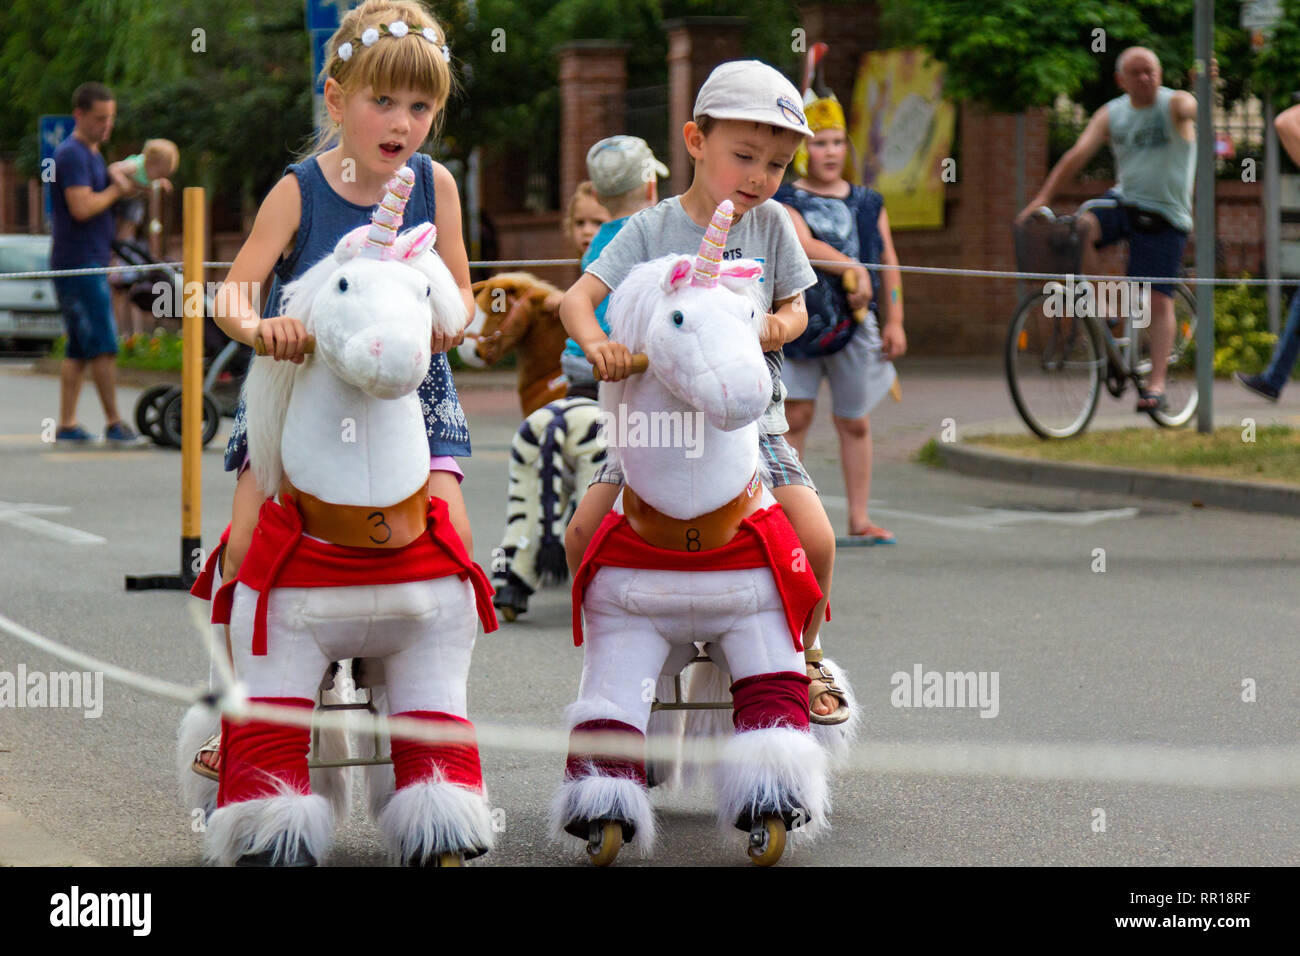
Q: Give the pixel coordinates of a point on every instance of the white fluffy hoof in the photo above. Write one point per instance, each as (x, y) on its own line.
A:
(582, 800)
(270, 831)
(776, 771)
(428, 819)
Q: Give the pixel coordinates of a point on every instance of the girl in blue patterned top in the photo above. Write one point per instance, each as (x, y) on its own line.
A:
(388, 78)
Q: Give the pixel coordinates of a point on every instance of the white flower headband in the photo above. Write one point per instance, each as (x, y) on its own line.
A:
(397, 28)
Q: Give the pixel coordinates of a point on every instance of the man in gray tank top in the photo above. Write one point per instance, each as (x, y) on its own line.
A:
(1151, 130)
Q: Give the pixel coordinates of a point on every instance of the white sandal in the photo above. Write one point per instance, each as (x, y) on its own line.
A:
(824, 683)
(211, 746)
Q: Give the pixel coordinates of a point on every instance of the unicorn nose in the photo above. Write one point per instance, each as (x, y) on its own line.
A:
(376, 348)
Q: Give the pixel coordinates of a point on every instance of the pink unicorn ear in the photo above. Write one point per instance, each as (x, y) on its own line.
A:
(350, 246)
(678, 274)
(737, 274)
(415, 242)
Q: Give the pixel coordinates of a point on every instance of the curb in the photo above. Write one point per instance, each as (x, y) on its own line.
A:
(1220, 492)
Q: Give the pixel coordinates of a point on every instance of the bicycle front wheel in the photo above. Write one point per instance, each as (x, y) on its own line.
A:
(1054, 366)
(1181, 395)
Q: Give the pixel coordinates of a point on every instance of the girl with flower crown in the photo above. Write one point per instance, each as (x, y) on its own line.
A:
(388, 77)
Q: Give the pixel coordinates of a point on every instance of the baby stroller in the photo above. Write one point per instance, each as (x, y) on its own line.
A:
(158, 411)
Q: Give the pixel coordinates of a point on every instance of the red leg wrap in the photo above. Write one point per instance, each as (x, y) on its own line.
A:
(607, 764)
(257, 754)
(457, 761)
(770, 700)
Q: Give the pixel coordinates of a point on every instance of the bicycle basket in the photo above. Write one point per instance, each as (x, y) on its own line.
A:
(1044, 245)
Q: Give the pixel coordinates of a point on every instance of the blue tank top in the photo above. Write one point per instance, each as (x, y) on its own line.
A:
(851, 226)
(326, 217)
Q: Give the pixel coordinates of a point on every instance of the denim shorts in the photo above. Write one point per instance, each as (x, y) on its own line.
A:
(87, 316)
(1154, 252)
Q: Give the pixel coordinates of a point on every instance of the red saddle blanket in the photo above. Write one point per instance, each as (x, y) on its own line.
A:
(280, 555)
(766, 539)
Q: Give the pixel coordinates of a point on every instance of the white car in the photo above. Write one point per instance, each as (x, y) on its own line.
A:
(29, 309)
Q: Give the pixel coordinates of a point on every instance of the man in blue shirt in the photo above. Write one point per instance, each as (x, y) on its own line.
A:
(82, 197)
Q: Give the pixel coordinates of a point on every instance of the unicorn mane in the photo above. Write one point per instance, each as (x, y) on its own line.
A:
(631, 307)
(269, 384)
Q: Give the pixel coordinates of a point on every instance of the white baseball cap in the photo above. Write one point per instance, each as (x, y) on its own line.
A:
(619, 164)
(751, 90)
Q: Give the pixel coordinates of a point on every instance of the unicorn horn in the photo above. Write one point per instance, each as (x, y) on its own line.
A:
(708, 261)
(387, 218)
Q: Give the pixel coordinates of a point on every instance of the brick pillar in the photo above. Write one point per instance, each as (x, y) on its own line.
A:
(851, 29)
(593, 80)
(986, 178)
(695, 46)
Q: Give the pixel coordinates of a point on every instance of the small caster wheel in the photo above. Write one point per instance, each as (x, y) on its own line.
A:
(604, 841)
(149, 411)
(508, 612)
(767, 841)
(171, 419)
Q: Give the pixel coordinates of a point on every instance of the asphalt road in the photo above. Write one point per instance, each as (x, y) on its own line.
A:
(1148, 656)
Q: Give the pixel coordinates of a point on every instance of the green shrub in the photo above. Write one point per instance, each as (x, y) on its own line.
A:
(160, 351)
(1242, 341)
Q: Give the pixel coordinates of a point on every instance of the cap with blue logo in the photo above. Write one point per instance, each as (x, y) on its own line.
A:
(753, 91)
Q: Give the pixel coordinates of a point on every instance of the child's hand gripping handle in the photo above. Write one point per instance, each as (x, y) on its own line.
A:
(308, 347)
(640, 362)
(850, 281)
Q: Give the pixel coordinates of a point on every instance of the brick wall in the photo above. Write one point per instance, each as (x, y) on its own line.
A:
(593, 79)
(850, 30)
(695, 46)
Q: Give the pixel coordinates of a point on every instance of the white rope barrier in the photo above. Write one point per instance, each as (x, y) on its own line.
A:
(870, 267)
(1216, 768)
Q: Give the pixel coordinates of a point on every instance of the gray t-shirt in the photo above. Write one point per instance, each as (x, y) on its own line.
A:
(764, 234)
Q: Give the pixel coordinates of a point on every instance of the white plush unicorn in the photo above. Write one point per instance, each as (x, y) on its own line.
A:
(354, 560)
(696, 550)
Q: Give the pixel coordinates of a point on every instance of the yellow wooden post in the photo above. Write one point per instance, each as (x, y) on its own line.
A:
(195, 232)
(194, 237)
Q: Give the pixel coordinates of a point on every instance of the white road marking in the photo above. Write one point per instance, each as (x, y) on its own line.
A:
(20, 515)
(23, 843)
(997, 519)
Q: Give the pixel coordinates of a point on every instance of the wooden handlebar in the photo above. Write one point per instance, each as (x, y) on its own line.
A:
(308, 347)
(850, 281)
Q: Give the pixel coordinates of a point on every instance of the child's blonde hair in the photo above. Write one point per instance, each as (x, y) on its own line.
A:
(162, 149)
(587, 189)
(390, 63)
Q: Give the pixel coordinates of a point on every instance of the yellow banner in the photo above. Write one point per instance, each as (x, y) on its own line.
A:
(901, 128)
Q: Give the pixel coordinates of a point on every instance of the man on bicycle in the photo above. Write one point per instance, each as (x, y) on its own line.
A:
(1151, 130)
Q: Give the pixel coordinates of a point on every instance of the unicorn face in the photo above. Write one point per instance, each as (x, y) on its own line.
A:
(702, 344)
(373, 324)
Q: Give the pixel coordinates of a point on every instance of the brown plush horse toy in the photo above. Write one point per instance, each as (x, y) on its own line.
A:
(511, 313)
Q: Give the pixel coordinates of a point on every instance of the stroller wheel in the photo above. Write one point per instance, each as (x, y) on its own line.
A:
(171, 419)
(149, 412)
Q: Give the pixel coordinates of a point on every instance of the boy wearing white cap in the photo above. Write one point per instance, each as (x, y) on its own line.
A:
(748, 122)
(625, 173)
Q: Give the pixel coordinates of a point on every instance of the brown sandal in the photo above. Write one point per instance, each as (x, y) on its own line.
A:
(211, 746)
(824, 683)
